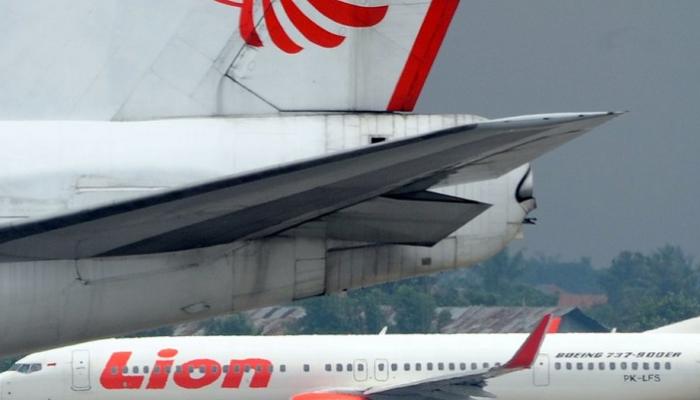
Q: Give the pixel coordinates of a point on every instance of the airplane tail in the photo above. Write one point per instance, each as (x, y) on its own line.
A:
(338, 55)
(691, 325)
(129, 60)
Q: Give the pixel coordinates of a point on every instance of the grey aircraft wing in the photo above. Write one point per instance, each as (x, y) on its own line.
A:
(348, 190)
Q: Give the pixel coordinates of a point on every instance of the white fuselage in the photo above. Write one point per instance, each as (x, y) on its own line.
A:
(569, 367)
(54, 168)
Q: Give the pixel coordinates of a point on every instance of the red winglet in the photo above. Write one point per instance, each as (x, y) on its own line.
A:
(554, 325)
(527, 353)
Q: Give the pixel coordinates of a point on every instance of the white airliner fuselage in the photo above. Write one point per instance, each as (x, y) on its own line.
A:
(646, 366)
(59, 168)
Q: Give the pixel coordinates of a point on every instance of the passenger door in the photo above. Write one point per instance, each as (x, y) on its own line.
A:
(540, 371)
(360, 370)
(381, 370)
(81, 370)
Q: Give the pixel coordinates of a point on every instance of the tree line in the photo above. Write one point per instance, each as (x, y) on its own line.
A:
(644, 291)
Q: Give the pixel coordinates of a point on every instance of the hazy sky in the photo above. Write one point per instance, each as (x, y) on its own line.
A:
(632, 184)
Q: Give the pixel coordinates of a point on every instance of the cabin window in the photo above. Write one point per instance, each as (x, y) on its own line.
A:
(451, 366)
(379, 366)
(246, 368)
(225, 369)
(283, 368)
(307, 368)
(623, 365)
(349, 367)
(579, 366)
(270, 368)
(612, 366)
(635, 366)
(203, 370)
(178, 369)
(486, 365)
(474, 366)
(441, 366)
(601, 366)
(463, 366)
(190, 369)
(668, 365)
(557, 366)
(329, 368)
(407, 367)
(125, 370)
(645, 365)
(360, 367)
(146, 369)
(338, 367)
(657, 366)
(419, 367)
(114, 370)
(591, 366)
(429, 366)
(394, 367)
(258, 368)
(568, 365)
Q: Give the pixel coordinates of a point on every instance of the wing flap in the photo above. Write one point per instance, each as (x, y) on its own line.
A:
(421, 219)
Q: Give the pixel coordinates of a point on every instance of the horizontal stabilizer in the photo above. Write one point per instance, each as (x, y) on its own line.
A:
(422, 218)
(270, 201)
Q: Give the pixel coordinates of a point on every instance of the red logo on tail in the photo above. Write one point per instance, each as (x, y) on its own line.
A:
(343, 13)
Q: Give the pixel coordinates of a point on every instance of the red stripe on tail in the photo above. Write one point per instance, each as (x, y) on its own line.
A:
(425, 49)
(351, 14)
(309, 28)
(276, 31)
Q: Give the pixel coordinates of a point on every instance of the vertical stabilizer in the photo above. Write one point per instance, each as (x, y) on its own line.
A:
(133, 59)
(337, 55)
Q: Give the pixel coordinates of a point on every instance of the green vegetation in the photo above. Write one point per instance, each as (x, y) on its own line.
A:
(647, 291)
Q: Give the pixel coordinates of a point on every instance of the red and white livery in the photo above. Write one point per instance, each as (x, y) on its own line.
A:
(604, 366)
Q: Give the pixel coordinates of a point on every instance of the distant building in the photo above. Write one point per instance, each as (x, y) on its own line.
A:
(481, 319)
(568, 299)
(472, 319)
(275, 320)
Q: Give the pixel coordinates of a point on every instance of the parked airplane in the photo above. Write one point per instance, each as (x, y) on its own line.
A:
(110, 227)
(381, 367)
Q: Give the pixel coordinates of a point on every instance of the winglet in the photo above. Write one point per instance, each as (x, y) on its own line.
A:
(527, 353)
